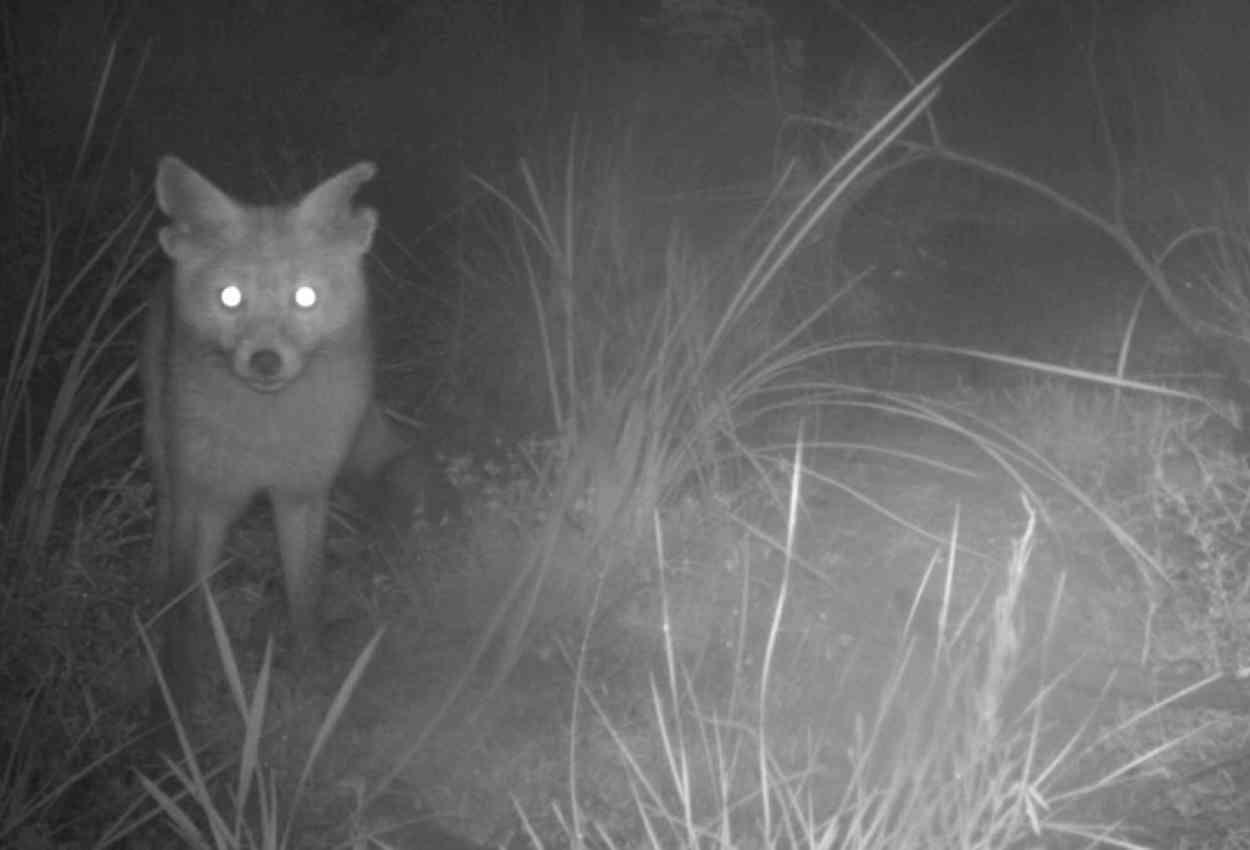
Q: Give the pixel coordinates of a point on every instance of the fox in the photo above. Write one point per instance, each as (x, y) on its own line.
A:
(257, 370)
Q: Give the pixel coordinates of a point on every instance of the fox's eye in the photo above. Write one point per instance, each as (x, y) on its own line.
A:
(230, 296)
(305, 296)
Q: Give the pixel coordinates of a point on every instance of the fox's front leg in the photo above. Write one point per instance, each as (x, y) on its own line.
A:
(196, 534)
(301, 522)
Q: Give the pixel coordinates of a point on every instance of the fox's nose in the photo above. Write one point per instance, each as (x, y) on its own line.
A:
(265, 363)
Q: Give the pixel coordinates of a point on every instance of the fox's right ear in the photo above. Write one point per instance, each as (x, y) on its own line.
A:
(200, 212)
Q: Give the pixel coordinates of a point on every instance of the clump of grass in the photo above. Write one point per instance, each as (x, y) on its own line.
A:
(644, 391)
(72, 262)
(648, 367)
(959, 752)
(251, 813)
(65, 377)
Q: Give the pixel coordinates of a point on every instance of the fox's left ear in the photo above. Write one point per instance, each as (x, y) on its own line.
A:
(328, 209)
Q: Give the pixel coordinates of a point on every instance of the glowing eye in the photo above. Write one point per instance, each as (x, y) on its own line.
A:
(305, 296)
(231, 296)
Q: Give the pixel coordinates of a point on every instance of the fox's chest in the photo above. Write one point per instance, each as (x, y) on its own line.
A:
(294, 438)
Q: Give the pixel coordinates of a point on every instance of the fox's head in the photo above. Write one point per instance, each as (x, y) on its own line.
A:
(267, 287)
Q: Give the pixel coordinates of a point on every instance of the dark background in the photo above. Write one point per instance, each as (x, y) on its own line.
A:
(266, 98)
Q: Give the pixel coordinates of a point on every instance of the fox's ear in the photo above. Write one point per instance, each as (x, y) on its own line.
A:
(327, 209)
(199, 210)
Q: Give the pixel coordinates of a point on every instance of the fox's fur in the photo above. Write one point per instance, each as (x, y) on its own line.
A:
(257, 369)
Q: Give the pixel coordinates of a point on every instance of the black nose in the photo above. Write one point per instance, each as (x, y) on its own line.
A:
(266, 363)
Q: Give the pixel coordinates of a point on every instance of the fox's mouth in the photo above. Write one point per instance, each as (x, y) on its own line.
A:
(265, 385)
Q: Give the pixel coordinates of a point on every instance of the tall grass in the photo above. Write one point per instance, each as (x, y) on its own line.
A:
(71, 267)
(72, 264)
(644, 394)
(253, 814)
(958, 752)
(648, 367)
